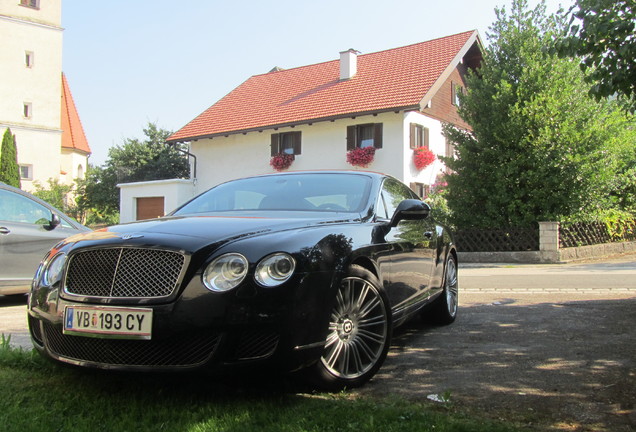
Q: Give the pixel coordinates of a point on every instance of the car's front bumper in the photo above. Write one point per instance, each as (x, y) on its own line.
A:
(285, 326)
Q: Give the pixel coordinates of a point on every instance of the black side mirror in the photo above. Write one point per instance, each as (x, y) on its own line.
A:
(54, 222)
(410, 209)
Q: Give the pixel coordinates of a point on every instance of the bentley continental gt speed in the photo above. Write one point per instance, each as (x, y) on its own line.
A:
(304, 271)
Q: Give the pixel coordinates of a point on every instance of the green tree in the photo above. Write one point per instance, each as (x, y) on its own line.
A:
(59, 195)
(150, 159)
(9, 168)
(541, 148)
(98, 196)
(134, 160)
(601, 33)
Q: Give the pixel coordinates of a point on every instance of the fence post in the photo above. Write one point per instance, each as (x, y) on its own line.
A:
(549, 241)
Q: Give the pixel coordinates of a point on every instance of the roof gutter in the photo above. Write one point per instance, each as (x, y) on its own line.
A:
(293, 124)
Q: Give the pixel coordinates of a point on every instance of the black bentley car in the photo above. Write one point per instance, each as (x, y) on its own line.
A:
(301, 270)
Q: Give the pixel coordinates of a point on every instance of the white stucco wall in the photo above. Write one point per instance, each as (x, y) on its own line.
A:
(323, 147)
(41, 149)
(437, 144)
(37, 31)
(175, 193)
(70, 163)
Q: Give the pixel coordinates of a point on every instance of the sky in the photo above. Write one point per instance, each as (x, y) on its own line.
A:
(129, 63)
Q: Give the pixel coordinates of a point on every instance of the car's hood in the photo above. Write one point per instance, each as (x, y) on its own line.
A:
(194, 232)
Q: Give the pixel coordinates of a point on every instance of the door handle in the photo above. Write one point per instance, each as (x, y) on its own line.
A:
(428, 234)
(4, 230)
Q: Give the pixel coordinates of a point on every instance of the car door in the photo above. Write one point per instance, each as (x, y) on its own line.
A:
(411, 252)
(24, 239)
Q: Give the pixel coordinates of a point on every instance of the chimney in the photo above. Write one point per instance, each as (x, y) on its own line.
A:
(348, 64)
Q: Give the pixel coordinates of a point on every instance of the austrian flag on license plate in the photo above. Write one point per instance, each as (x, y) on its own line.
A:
(108, 322)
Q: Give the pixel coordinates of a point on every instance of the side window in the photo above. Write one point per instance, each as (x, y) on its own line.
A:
(419, 136)
(26, 172)
(393, 193)
(34, 4)
(28, 59)
(17, 208)
(286, 142)
(420, 189)
(364, 135)
(456, 90)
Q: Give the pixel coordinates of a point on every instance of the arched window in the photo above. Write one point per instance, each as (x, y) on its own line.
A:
(80, 171)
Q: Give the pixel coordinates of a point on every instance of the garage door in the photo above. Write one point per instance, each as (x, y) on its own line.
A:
(149, 208)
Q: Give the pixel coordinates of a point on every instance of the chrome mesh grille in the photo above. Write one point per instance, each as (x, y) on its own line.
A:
(124, 272)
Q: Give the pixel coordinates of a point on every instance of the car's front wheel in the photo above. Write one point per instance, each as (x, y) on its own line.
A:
(359, 333)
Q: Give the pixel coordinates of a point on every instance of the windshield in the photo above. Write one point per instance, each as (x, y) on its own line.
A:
(326, 192)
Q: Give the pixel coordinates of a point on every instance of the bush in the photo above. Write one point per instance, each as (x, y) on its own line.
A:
(436, 198)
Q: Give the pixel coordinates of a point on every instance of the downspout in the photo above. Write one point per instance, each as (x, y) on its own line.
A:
(193, 177)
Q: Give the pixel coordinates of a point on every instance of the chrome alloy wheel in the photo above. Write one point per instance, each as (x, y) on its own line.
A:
(451, 288)
(358, 330)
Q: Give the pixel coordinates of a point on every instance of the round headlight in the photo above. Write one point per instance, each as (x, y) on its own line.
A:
(54, 269)
(225, 272)
(274, 269)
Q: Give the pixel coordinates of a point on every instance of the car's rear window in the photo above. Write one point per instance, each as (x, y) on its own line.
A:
(326, 192)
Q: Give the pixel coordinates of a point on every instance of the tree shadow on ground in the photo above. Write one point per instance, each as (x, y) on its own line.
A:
(569, 365)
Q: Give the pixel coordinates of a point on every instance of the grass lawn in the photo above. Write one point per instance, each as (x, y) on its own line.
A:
(37, 395)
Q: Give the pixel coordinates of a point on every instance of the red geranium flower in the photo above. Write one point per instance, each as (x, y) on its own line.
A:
(362, 157)
(423, 157)
(281, 161)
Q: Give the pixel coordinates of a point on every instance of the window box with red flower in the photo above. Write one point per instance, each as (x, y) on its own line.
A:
(281, 161)
(423, 157)
(361, 156)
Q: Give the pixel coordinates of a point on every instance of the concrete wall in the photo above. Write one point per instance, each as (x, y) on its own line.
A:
(175, 193)
(549, 250)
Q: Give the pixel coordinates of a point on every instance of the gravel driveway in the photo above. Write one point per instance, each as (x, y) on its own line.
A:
(553, 347)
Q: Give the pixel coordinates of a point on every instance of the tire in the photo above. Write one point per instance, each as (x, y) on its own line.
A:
(359, 334)
(444, 309)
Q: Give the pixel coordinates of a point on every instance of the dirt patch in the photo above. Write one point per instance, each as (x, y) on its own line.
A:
(567, 365)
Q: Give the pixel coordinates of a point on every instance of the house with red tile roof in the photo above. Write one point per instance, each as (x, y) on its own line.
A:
(394, 101)
(390, 103)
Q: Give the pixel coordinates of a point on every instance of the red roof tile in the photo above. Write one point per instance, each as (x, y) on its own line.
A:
(73, 136)
(397, 78)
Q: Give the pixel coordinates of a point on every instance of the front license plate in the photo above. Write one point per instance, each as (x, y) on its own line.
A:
(108, 322)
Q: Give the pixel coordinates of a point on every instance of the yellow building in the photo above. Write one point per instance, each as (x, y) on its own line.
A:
(36, 102)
